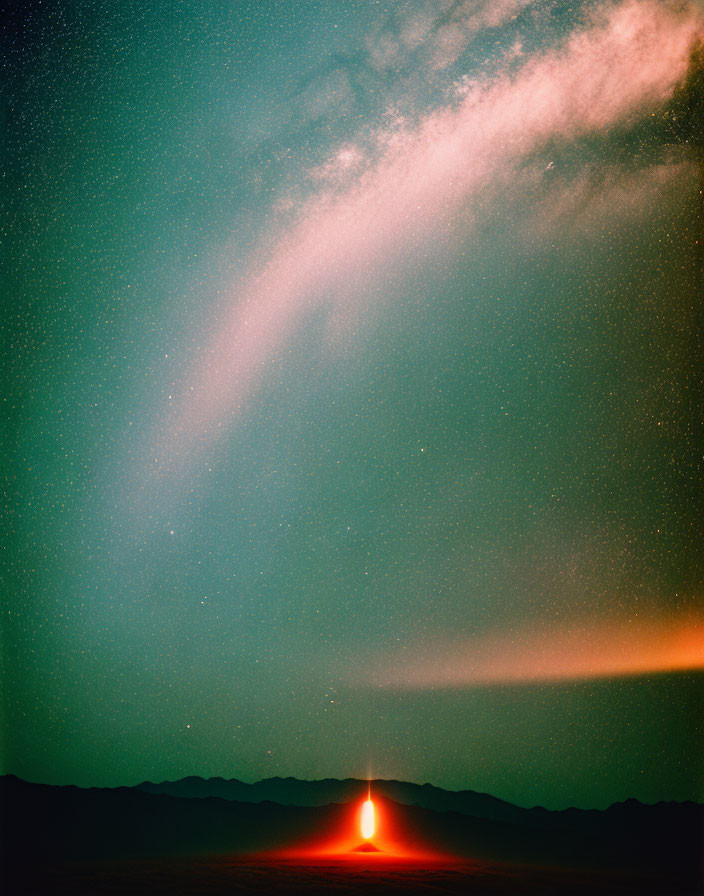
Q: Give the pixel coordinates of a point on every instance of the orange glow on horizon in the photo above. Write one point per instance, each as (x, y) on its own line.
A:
(389, 837)
(392, 842)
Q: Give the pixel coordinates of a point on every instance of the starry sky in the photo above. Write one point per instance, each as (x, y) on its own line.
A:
(352, 393)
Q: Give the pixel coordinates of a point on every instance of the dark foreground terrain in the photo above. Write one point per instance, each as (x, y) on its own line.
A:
(223, 874)
(129, 840)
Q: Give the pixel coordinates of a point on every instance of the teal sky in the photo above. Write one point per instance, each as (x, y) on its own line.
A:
(353, 395)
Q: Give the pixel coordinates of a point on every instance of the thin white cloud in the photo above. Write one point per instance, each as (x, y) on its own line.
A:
(466, 22)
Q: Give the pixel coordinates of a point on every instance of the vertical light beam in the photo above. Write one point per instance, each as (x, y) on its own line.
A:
(368, 819)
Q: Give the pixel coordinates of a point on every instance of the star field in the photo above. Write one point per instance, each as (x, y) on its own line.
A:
(353, 394)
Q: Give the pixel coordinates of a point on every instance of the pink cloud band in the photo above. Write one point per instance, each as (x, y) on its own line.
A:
(407, 193)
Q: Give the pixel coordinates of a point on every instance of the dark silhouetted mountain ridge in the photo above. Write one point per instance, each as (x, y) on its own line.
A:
(46, 826)
(296, 792)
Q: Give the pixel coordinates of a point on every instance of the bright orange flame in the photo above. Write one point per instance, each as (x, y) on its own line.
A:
(368, 819)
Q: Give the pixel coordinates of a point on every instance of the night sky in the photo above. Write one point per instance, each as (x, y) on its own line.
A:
(352, 394)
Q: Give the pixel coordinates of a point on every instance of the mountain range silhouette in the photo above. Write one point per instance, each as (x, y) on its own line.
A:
(47, 827)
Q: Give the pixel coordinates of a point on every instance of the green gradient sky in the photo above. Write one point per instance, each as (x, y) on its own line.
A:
(498, 428)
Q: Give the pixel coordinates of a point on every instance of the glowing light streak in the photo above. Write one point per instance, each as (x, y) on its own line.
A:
(598, 649)
(368, 819)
